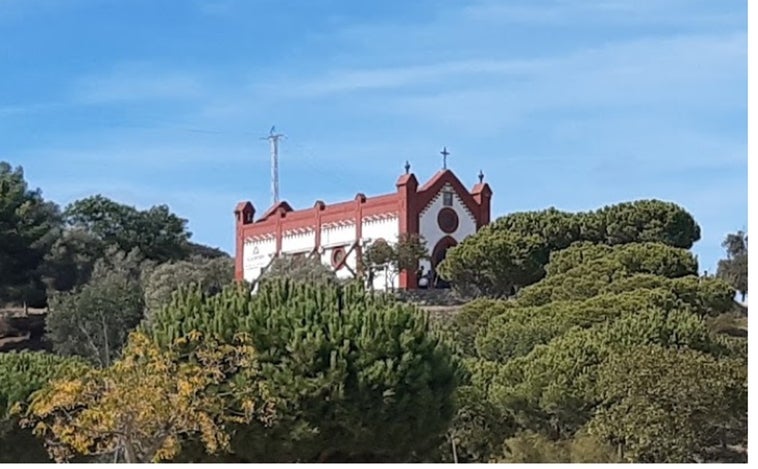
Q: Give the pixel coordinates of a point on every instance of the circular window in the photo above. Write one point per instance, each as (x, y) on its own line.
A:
(447, 220)
(338, 255)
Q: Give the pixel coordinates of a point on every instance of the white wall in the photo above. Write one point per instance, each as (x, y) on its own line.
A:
(337, 235)
(255, 256)
(331, 238)
(344, 272)
(299, 241)
(430, 230)
(387, 229)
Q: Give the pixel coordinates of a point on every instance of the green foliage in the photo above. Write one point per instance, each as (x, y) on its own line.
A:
(476, 428)
(703, 296)
(552, 390)
(70, 261)
(531, 447)
(518, 330)
(512, 335)
(28, 226)
(23, 374)
(493, 263)
(94, 321)
(671, 405)
(514, 250)
(555, 229)
(479, 425)
(41, 248)
(629, 222)
(471, 319)
(393, 258)
(300, 269)
(645, 258)
(733, 269)
(646, 221)
(408, 251)
(361, 377)
(211, 274)
(157, 233)
(26, 372)
(706, 296)
(205, 252)
(378, 253)
(619, 279)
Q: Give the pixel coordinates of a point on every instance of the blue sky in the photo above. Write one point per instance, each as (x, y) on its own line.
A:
(568, 103)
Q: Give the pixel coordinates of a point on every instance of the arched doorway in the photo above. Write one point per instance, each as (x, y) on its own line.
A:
(438, 255)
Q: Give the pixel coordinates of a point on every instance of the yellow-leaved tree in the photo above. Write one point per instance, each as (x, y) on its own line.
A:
(142, 407)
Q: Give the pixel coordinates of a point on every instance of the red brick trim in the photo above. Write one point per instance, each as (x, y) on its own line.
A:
(407, 202)
(338, 257)
(279, 207)
(243, 215)
(428, 191)
(482, 194)
(408, 197)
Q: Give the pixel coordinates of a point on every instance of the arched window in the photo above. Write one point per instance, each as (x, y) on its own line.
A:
(438, 255)
(338, 256)
(447, 220)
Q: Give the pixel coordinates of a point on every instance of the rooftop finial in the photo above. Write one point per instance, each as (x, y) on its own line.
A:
(481, 176)
(444, 154)
(407, 167)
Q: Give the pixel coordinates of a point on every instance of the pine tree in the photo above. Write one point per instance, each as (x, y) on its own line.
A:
(360, 377)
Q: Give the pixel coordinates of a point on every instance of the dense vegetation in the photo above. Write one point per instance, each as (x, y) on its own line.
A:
(588, 337)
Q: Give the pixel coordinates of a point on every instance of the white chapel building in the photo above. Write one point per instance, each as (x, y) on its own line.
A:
(442, 211)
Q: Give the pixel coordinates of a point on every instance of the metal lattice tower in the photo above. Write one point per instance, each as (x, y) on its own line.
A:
(273, 139)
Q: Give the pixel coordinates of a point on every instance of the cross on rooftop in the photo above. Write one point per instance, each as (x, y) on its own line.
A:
(444, 154)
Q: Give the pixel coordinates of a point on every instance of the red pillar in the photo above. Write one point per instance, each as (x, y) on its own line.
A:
(243, 216)
(482, 195)
(360, 199)
(319, 206)
(407, 187)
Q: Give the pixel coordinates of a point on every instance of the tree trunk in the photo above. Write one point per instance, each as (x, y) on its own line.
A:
(107, 360)
(129, 456)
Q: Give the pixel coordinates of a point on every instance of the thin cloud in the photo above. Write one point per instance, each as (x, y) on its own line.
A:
(672, 59)
(616, 12)
(342, 81)
(137, 82)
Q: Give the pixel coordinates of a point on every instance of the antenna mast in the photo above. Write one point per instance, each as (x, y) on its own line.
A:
(273, 139)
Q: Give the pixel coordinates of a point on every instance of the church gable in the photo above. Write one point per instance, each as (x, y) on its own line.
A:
(446, 216)
(445, 182)
(447, 196)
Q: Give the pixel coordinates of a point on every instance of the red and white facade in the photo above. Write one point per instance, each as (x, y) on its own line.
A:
(442, 211)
